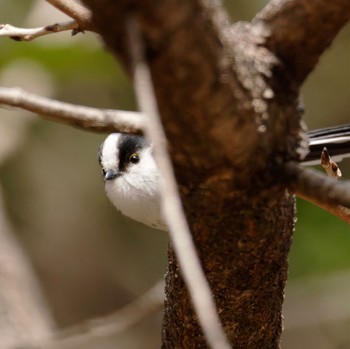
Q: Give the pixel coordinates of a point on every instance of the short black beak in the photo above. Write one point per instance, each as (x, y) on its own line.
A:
(111, 174)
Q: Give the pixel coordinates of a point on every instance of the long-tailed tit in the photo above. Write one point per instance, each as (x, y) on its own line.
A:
(132, 177)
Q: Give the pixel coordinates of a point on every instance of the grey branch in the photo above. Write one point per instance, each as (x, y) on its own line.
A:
(82, 20)
(98, 120)
(75, 10)
(171, 204)
(28, 34)
(122, 319)
(311, 185)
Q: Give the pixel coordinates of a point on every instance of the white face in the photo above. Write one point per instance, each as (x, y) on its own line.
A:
(132, 178)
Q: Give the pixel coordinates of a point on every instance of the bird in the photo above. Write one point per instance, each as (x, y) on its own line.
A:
(132, 179)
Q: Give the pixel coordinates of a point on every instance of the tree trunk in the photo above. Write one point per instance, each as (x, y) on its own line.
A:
(229, 106)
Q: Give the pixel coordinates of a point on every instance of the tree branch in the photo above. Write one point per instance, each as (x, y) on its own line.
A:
(98, 120)
(28, 34)
(325, 192)
(171, 204)
(299, 31)
(81, 15)
(76, 11)
(337, 210)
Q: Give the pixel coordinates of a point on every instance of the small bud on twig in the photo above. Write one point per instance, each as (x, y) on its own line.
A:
(329, 165)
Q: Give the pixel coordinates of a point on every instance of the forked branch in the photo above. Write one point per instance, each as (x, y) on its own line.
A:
(81, 21)
(75, 10)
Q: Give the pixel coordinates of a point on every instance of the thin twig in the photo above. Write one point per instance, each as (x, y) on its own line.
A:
(312, 186)
(75, 10)
(28, 34)
(125, 317)
(339, 211)
(121, 320)
(82, 20)
(98, 120)
(118, 322)
(171, 204)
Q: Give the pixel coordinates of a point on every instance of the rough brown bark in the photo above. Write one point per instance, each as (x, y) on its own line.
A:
(229, 109)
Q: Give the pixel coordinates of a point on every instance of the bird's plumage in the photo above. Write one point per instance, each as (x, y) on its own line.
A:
(132, 177)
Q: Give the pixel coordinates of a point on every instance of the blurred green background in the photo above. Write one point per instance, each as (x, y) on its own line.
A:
(90, 260)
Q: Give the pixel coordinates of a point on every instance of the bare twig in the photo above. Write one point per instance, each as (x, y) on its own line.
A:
(122, 319)
(125, 317)
(312, 186)
(98, 120)
(312, 183)
(118, 322)
(75, 10)
(339, 211)
(171, 204)
(82, 20)
(28, 34)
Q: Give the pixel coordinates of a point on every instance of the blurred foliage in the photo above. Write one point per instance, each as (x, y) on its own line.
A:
(321, 242)
(14, 11)
(90, 259)
(78, 70)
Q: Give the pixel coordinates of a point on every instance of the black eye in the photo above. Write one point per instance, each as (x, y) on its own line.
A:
(133, 158)
(103, 172)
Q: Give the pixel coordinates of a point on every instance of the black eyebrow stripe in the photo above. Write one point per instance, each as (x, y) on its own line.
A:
(129, 144)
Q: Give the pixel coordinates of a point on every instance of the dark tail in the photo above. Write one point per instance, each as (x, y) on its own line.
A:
(335, 139)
